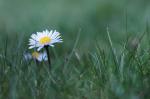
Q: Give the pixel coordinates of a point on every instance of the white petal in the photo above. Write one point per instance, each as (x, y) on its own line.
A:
(31, 47)
(40, 48)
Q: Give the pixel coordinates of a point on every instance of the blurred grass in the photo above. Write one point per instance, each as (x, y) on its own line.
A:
(82, 70)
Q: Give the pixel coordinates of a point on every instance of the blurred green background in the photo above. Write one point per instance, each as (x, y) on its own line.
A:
(69, 16)
(85, 71)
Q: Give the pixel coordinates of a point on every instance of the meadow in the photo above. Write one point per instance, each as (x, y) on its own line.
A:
(105, 52)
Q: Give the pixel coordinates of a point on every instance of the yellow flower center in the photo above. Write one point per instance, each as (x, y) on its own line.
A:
(45, 40)
(35, 54)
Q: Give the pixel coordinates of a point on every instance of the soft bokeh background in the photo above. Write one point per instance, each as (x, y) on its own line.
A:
(87, 69)
(69, 16)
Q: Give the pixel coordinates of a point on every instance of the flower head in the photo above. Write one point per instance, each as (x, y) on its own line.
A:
(45, 38)
(37, 56)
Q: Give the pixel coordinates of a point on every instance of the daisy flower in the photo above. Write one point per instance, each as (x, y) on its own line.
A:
(36, 55)
(43, 39)
(39, 56)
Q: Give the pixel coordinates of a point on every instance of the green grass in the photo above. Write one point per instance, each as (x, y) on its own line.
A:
(105, 53)
(107, 74)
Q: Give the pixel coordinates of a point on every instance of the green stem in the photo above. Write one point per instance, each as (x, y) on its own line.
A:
(48, 55)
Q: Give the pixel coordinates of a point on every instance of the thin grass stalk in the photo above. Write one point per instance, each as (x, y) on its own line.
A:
(112, 49)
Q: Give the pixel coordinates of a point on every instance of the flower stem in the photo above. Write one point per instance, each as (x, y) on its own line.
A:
(48, 55)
